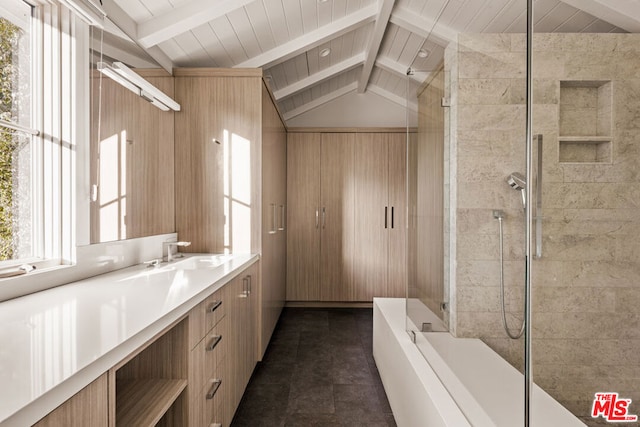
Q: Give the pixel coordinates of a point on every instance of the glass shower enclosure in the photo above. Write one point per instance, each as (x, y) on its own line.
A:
(523, 173)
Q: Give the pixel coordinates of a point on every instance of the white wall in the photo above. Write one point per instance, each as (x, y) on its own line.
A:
(354, 110)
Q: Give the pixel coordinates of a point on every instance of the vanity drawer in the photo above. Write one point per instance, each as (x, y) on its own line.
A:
(207, 404)
(214, 309)
(207, 355)
(204, 316)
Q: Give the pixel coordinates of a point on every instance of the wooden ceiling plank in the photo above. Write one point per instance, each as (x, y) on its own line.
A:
(411, 49)
(212, 45)
(310, 40)
(422, 26)
(577, 23)
(621, 13)
(293, 14)
(394, 98)
(325, 12)
(339, 9)
(482, 18)
(361, 37)
(260, 23)
(277, 21)
(319, 77)
(229, 39)
(320, 101)
(309, 12)
(552, 20)
(241, 25)
(399, 42)
(184, 18)
(506, 17)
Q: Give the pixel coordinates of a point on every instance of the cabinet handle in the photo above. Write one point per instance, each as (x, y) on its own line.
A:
(214, 389)
(273, 219)
(282, 218)
(249, 284)
(317, 216)
(216, 425)
(214, 342)
(245, 287)
(215, 306)
(324, 217)
(392, 216)
(386, 214)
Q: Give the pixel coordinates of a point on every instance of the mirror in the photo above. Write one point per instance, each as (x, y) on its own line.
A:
(132, 146)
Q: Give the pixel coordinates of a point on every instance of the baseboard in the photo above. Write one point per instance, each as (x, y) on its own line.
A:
(324, 304)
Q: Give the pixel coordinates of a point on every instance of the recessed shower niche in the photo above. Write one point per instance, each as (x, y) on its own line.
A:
(585, 121)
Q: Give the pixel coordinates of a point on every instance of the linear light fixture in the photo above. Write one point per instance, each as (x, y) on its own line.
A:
(138, 85)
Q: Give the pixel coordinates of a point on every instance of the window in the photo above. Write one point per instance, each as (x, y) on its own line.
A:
(16, 146)
(40, 87)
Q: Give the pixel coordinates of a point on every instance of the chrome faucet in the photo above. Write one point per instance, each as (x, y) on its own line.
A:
(167, 247)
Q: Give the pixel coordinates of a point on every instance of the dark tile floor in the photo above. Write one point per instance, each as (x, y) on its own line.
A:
(318, 371)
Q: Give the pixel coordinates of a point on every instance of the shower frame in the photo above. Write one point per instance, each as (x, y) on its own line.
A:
(528, 378)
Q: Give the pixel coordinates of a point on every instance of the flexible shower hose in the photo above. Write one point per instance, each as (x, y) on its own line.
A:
(504, 314)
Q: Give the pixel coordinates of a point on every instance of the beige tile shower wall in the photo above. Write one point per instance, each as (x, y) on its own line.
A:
(586, 294)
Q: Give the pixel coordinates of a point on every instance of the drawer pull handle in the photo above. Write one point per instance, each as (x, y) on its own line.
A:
(214, 343)
(215, 305)
(214, 389)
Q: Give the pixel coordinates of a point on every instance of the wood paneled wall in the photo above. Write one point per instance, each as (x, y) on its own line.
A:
(218, 110)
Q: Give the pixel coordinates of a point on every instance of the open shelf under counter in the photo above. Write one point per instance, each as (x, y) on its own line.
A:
(144, 402)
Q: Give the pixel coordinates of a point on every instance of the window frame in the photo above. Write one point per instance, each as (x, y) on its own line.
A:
(57, 67)
(79, 259)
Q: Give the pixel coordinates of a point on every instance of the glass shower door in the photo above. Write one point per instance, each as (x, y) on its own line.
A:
(427, 292)
(586, 278)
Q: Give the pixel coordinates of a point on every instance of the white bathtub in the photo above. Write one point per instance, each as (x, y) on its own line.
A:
(450, 381)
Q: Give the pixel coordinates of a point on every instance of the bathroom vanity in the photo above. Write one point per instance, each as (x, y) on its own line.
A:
(173, 344)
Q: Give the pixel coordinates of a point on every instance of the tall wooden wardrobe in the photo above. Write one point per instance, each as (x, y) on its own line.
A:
(346, 216)
(230, 149)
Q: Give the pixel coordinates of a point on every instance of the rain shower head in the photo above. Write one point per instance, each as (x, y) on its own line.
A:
(518, 182)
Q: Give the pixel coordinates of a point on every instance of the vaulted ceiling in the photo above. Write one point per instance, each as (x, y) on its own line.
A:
(314, 51)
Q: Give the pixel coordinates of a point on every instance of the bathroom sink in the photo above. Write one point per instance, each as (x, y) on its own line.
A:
(198, 262)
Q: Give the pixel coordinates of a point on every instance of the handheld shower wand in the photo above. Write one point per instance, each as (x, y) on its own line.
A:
(518, 182)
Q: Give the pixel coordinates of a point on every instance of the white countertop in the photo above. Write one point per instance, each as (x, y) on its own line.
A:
(55, 342)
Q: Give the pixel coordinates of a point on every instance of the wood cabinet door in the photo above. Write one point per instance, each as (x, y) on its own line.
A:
(337, 216)
(303, 217)
(274, 196)
(373, 218)
(251, 315)
(86, 408)
(280, 268)
(199, 166)
(397, 266)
